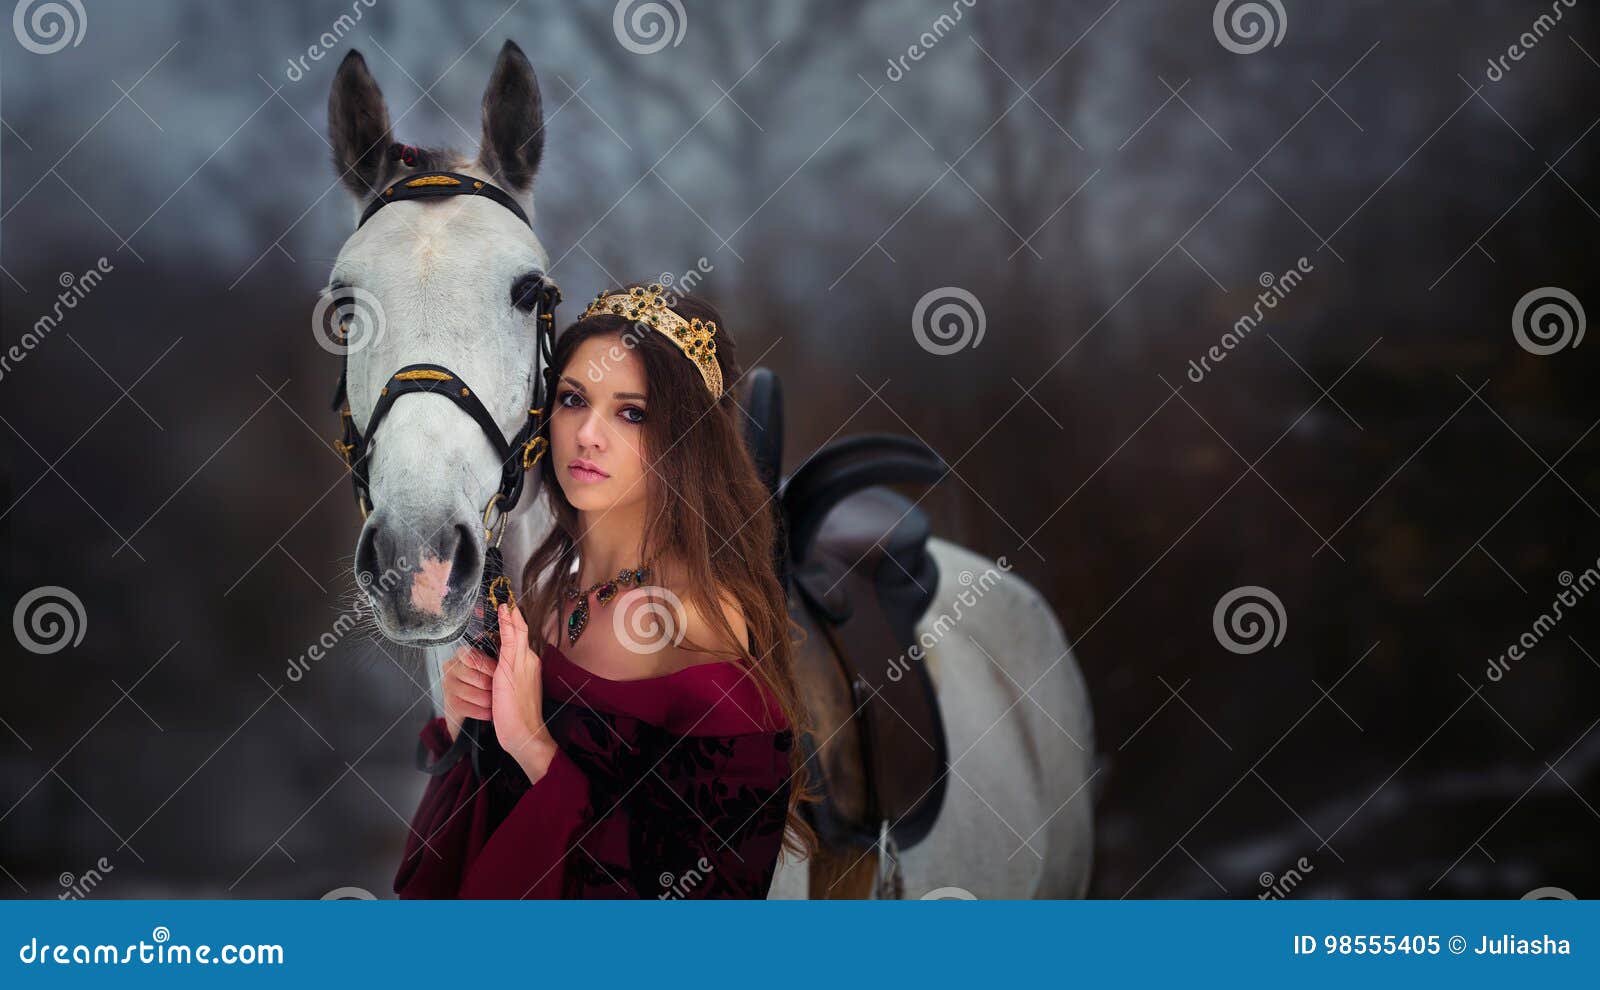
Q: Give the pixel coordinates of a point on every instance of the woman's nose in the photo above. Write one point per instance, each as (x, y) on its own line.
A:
(590, 431)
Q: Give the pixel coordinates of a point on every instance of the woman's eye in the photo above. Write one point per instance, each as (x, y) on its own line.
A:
(565, 399)
(633, 414)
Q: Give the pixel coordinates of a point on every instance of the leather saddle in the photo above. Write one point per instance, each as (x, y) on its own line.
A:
(855, 565)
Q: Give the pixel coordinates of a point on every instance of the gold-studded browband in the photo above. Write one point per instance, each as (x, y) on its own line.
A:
(431, 185)
(648, 306)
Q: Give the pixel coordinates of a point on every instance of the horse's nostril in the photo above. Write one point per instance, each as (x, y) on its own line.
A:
(464, 563)
(368, 552)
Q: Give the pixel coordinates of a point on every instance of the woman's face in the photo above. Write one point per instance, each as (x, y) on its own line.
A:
(596, 426)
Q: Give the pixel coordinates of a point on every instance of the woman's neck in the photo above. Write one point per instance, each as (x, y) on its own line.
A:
(608, 542)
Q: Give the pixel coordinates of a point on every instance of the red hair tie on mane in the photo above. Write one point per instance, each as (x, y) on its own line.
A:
(403, 153)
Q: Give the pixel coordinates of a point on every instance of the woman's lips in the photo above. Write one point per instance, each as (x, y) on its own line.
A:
(582, 473)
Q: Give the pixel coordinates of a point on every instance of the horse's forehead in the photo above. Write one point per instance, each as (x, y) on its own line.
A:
(441, 242)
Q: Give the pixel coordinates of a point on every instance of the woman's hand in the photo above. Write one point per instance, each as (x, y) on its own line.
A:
(518, 698)
(467, 679)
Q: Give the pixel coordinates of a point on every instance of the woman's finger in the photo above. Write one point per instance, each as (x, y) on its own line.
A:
(512, 644)
(476, 678)
(462, 709)
(474, 659)
(521, 625)
(463, 688)
(454, 668)
(473, 695)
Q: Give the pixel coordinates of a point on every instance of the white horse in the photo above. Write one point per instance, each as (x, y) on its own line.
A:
(1016, 820)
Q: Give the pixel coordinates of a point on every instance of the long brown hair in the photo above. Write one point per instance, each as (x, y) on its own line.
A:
(708, 508)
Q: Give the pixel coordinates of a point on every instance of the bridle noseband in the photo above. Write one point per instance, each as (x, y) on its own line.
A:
(523, 451)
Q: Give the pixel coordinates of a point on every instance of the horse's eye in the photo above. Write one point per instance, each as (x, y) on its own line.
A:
(525, 291)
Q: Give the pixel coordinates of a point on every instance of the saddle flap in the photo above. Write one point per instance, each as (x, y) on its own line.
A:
(882, 752)
(902, 735)
(820, 583)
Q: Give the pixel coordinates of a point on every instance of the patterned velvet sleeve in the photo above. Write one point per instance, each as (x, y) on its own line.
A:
(448, 826)
(630, 810)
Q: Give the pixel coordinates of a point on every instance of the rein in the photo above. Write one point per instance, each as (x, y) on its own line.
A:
(517, 455)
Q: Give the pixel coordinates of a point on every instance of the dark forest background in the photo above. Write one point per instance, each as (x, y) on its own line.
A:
(1107, 179)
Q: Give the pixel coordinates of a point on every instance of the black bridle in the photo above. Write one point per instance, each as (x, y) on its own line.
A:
(517, 456)
(523, 450)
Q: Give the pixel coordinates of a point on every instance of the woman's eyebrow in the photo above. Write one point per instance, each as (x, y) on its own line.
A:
(616, 395)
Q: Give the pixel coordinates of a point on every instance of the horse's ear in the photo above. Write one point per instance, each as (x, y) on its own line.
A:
(358, 124)
(513, 122)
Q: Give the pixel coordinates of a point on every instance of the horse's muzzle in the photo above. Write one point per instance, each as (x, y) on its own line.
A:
(420, 579)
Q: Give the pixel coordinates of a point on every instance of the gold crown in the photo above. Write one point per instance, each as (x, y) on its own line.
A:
(648, 306)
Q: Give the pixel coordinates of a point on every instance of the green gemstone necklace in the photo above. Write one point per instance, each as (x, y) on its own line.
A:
(603, 591)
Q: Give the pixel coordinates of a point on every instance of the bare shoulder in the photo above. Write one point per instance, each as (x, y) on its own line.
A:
(702, 630)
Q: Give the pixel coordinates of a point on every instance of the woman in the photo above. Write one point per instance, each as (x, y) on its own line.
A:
(648, 727)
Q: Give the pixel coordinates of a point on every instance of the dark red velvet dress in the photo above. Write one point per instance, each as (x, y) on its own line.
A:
(667, 787)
